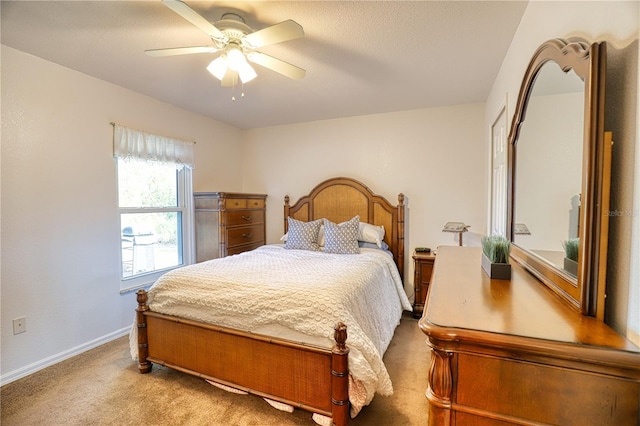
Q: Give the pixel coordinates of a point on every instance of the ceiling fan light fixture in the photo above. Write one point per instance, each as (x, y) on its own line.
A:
(218, 67)
(235, 57)
(246, 73)
(233, 37)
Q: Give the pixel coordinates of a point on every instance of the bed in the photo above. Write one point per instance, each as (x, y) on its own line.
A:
(288, 369)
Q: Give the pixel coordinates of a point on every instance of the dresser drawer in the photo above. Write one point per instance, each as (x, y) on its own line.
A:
(235, 203)
(254, 203)
(245, 235)
(543, 393)
(244, 217)
(206, 203)
(243, 203)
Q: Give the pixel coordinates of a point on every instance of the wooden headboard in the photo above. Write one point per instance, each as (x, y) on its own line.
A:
(339, 199)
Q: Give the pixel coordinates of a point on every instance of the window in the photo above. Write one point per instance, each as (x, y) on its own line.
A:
(154, 208)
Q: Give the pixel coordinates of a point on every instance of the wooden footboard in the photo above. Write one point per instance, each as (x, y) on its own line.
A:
(304, 376)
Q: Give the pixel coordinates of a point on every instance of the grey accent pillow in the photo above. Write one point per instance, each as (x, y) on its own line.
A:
(341, 238)
(302, 235)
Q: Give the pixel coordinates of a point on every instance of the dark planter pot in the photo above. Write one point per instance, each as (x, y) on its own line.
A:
(571, 266)
(496, 271)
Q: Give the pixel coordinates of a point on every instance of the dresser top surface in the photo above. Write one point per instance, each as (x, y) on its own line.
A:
(227, 195)
(463, 299)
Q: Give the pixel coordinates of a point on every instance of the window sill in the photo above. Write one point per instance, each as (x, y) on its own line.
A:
(136, 287)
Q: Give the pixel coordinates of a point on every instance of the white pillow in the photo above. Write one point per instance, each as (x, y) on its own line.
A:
(371, 233)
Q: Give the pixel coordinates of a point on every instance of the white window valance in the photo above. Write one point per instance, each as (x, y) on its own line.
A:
(129, 143)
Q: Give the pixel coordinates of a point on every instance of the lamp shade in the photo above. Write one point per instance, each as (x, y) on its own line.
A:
(218, 67)
(235, 58)
(246, 72)
(521, 229)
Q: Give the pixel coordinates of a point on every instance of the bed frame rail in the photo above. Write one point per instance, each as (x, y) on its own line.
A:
(304, 376)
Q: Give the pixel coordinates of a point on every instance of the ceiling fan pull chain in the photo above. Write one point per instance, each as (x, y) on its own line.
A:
(233, 97)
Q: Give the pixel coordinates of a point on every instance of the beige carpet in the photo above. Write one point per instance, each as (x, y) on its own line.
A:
(103, 387)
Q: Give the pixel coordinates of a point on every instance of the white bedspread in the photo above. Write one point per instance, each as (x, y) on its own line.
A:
(290, 293)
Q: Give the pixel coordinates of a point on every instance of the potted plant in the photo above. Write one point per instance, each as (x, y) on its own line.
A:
(495, 257)
(571, 247)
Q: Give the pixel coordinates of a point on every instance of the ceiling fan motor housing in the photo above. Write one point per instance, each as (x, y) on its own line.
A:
(234, 27)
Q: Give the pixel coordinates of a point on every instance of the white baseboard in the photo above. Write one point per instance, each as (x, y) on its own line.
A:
(47, 362)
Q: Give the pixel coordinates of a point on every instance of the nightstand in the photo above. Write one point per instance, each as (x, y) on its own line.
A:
(423, 268)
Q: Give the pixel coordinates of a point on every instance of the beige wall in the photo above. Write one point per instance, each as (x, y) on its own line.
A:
(433, 156)
(59, 219)
(59, 237)
(615, 22)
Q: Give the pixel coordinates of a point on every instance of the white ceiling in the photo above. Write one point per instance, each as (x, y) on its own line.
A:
(361, 57)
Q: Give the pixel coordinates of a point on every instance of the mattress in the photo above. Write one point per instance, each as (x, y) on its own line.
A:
(298, 295)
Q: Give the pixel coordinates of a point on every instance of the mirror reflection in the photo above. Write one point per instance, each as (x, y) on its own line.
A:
(548, 175)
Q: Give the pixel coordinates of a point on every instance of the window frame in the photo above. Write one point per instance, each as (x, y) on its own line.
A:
(184, 186)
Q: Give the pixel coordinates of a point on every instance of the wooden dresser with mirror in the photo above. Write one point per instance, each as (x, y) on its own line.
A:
(534, 349)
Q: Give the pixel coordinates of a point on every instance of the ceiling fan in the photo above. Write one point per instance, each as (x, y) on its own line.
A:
(237, 42)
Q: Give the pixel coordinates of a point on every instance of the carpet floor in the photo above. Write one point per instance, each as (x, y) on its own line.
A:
(103, 387)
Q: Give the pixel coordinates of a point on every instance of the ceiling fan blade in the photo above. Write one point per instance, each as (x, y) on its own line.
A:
(287, 30)
(192, 16)
(277, 65)
(172, 51)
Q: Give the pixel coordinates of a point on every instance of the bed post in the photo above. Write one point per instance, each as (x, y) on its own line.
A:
(286, 213)
(401, 234)
(340, 376)
(144, 366)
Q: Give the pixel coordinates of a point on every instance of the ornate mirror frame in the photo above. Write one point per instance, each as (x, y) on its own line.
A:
(585, 291)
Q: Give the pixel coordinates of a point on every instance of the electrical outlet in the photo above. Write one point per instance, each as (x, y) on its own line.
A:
(19, 325)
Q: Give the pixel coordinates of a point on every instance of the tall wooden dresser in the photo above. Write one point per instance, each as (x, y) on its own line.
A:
(228, 223)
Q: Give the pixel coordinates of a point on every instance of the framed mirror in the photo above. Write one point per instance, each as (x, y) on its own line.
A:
(559, 170)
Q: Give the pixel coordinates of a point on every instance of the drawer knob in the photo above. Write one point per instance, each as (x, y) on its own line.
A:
(246, 218)
(249, 235)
